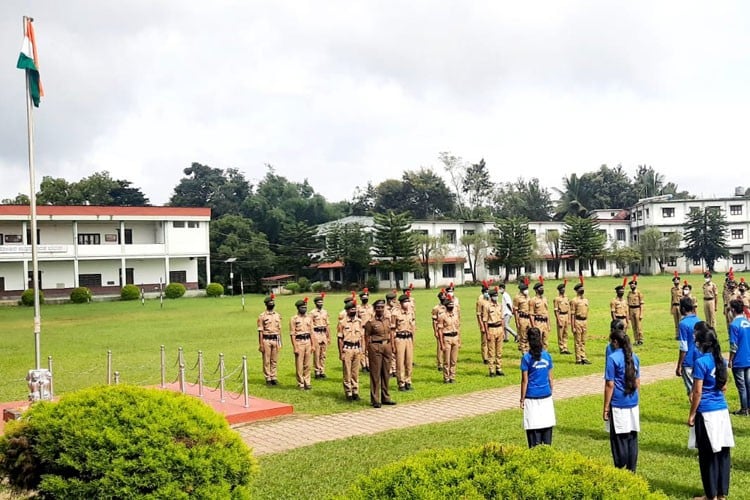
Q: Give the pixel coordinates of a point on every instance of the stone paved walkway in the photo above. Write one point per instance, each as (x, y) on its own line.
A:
(286, 433)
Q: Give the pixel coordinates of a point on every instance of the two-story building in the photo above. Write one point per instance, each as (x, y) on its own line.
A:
(102, 248)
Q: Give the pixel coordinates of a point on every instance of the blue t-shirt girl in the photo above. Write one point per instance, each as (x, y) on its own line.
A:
(615, 371)
(712, 398)
(538, 375)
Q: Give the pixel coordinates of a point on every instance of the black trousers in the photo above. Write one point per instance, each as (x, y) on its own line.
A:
(714, 466)
(624, 446)
(380, 371)
(536, 437)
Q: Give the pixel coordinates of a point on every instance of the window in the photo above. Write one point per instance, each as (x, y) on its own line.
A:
(398, 275)
(696, 262)
(639, 215)
(530, 267)
(89, 280)
(672, 261)
(194, 224)
(738, 234)
(178, 277)
(601, 264)
(693, 209)
(570, 265)
(738, 259)
(667, 212)
(735, 209)
(89, 239)
(337, 275)
(28, 236)
(2, 283)
(584, 265)
(449, 270)
(449, 235)
(550, 266)
(494, 269)
(178, 223)
(384, 275)
(494, 234)
(620, 235)
(635, 238)
(468, 232)
(647, 212)
(418, 275)
(128, 237)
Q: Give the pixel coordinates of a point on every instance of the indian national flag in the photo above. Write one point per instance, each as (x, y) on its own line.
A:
(29, 61)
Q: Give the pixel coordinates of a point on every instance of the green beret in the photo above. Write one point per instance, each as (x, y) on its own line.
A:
(561, 286)
(537, 286)
(493, 292)
(350, 305)
(619, 288)
(268, 299)
(379, 302)
(300, 303)
(578, 286)
(403, 298)
(390, 296)
(523, 286)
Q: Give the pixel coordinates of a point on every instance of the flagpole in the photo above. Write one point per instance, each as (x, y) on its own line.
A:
(32, 206)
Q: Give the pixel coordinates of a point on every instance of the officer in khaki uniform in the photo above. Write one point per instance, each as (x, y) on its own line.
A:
(675, 294)
(350, 335)
(743, 295)
(269, 340)
(365, 311)
(404, 326)
(482, 301)
(730, 294)
(435, 313)
(391, 306)
(379, 344)
(539, 312)
(321, 336)
(579, 314)
(710, 300)
(300, 332)
(492, 322)
(618, 306)
(635, 310)
(521, 311)
(687, 291)
(561, 306)
(449, 332)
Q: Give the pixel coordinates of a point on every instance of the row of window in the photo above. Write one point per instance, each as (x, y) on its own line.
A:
(668, 212)
(181, 223)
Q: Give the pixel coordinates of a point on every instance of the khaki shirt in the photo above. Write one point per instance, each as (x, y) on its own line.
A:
(635, 298)
(269, 323)
(676, 295)
(618, 307)
(538, 307)
(320, 318)
(378, 329)
(521, 303)
(561, 304)
(481, 303)
(351, 330)
(710, 291)
(493, 313)
(300, 323)
(403, 321)
(449, 322)
(580, 308)
(365, 312)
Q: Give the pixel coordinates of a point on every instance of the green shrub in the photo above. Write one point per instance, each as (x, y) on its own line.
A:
(304, 284)
(292, 287)
(174, 290)
(495, 471)
(80, 295)
(130, 292)
(372, 283)
(126, 442)
(214, 290)
(27, 297)
(318, 286)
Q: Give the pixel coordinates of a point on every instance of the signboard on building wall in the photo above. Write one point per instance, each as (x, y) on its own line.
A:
(110, 238)
(40, 248)
(13, 238)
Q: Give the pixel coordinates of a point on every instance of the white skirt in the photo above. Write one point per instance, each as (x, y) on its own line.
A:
(718, 428)
(625, 420)
(538, 413)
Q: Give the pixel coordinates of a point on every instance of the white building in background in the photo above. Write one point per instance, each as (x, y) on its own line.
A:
(103, 248)
(453, 266)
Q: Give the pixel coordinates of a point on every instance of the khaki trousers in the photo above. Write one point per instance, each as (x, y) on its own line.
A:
(635, 320)
(450, 357)
(523, 341)
(270, 359)
(320, 347)
(350, 360)
(404, 360)
(579, 336)
(302, 362)
(562, 332)
(439, 354)
(482, 340)
(676, 317)
(380, 371)
(495, 337)
(709, 313)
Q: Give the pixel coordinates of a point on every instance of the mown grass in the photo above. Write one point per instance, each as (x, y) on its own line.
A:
(325, 469)
(78, 337)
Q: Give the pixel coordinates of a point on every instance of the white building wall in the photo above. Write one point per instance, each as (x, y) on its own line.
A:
(12, 274)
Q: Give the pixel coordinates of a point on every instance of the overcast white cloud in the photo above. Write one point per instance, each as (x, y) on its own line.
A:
(342, 92)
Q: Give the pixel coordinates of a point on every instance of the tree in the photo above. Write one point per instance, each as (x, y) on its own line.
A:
(610, 188)
(623, 256)
(705, 236)
(478, 189)
(222, 191)
(297, 242)
(652, 243)
(554, 248)
(58, 192)
(456, 169)
(523, 199)
(427, 194)
(395, 247)
(514, 246)
(350, 244)
(475, 245)
(20, 199)
(363, 200)
(97, 189)
(430, 249)
(582, 239)
(236, 236)
(575, 198)
(648, 182)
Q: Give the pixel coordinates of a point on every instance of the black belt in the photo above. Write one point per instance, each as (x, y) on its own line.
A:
(675, 303)
(708, 298)
(450, 334)
(563, 312)
(620, 317)
(634, 307)
(543, 319)
(320, 329)
(270, 337)
(581, 318)
(523, 315)
(404, 335)
(379, 341)
(351, 344)
(494, 325)
(304, 336)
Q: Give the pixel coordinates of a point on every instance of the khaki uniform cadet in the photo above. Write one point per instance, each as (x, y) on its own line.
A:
(269, 340)
(391, 306)
(435, 313)
(539, 311)
(675, 294)
(404, 326)
(492, 321)
(378, 344)
(523, 318)
(561, 306)
(321, 336)
(350, 335)
(618, 306)
(300, 332)
(482, 301)
(579, 314)
(365, 311)
(743, 295)
(710, 300)
(730, 294)
(635, 310)
(687, 291)
(449, 331)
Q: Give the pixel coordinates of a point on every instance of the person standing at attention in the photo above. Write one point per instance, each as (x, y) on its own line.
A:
(739, 354)
(449, 336)
(540, 311)
(561, 306)
(365, 311)
(482, 300)
(269, 339)
(621, 410)
(635, 307)
(492, 321)
(709, 413)
(522, 309)
(686, 341)
(618, 306)
(579, 313)
(710, 299)
(300, 331)
(321, 336)
(404, 325)
(350, 335)
(536, 392)
(378, 345)
(675, 296)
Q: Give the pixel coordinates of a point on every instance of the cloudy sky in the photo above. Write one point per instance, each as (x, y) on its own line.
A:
(342, 92)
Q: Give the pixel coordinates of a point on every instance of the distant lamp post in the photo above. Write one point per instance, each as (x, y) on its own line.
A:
(231, 261)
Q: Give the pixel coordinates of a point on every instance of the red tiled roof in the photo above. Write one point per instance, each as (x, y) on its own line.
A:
(278, 278)
(447, 260)
(329, 265)
(23, 210)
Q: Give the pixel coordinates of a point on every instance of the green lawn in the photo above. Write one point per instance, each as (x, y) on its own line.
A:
(78, 337)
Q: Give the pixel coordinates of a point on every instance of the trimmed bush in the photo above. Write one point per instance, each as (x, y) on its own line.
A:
(80, 295)
(174, 290)
(372, 283)
(27, 297)
(126, 442)
(304, 284)
(495, 471)
(292, 287)
(318, 286)
(130, 292)
(214, 290)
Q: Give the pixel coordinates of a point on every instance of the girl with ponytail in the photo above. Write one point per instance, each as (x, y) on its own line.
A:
(621, 411)
(536, 391)
(709, 413)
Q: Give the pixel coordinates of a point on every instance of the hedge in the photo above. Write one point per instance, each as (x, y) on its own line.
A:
(214, 290)
(80, 295)
(174, 290)
(27, 297)
(130, 292)
(495, 471)
(126, 442)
